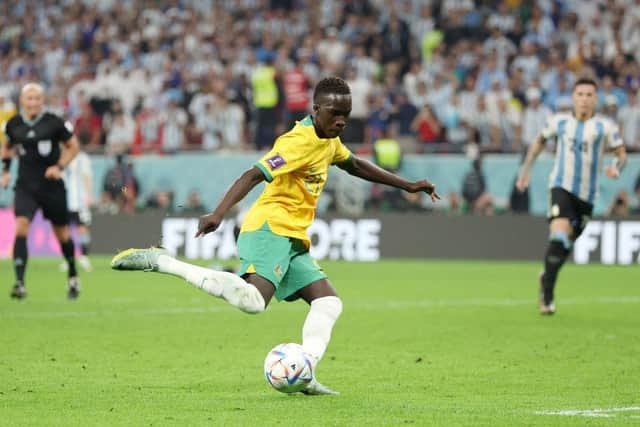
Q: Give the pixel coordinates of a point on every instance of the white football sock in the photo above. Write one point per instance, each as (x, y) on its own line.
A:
(316, 331)
(221, 284)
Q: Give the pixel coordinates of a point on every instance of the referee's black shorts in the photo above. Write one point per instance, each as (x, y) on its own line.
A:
(52, 200)
(566, 205)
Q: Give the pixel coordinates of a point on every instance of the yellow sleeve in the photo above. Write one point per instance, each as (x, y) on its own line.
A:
(285, 157)
(342, 153)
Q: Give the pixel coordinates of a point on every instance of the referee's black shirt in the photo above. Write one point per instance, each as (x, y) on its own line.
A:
(37, 143)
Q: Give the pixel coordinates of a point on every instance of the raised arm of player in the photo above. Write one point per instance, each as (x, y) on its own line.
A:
(368, 171)
(238, 190)
(6, 154)
(71, 149)
(613, 170)
(534, 150)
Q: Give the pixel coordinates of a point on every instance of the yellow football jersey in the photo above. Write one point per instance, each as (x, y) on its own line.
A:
(6, 112)
(296, 170)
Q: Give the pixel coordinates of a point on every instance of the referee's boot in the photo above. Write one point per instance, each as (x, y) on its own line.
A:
(18, 291)
(73, 289)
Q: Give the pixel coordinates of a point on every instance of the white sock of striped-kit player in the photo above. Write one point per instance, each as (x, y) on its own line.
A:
(316, 331)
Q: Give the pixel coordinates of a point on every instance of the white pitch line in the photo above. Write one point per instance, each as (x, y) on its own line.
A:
(398, 304)
(480, 302)
(163, 311)
(218, 306)
(596, 412)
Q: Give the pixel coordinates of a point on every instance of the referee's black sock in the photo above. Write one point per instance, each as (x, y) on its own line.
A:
(556, 256)
(67, 251)
(20, 257)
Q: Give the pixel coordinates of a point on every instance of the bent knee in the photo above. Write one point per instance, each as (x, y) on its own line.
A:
(22, 227)
(253, 302)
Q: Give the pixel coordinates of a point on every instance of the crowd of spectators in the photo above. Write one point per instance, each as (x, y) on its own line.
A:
(165, 76)
(162, 76)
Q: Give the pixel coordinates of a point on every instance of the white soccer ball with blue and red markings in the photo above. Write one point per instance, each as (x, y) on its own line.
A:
(288, 368)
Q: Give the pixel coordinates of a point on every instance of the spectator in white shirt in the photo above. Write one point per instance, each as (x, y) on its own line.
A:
(535, 116)
(629, 119)
(468, 100)
(230, 118)
(208, 124)
(527, 60)
(174, 120)
(502, 19)
(121, 131)
(361, 90)
(332, 50)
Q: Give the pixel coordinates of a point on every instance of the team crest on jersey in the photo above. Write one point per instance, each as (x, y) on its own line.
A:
(276, 161)
(31, 134)
(278, 271)
(44, 147)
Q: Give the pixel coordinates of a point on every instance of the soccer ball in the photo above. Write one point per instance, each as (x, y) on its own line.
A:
(288, 368)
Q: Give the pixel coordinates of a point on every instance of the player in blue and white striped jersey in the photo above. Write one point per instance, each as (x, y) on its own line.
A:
(78, 179)
(581, 139)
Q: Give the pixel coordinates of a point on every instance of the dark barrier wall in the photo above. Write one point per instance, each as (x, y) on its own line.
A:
(500, 237)
(388, 236)
(110, 233)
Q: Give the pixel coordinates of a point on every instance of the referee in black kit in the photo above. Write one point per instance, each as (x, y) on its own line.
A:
(45, 144)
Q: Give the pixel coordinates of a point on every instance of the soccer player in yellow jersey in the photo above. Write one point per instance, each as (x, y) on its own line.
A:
(273, 244)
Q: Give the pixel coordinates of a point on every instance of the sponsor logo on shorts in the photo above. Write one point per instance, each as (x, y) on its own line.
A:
(276, 161)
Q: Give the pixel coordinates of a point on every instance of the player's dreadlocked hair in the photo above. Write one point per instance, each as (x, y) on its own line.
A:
(331, 85)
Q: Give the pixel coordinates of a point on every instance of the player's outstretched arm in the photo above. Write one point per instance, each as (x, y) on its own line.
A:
(368, 171)
(534, 151)
(238, 190)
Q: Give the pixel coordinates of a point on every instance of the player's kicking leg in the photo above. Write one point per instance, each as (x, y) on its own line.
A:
(233, 289)
(250, 296)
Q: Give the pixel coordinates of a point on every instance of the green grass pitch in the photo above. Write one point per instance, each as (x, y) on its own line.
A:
(419, 343)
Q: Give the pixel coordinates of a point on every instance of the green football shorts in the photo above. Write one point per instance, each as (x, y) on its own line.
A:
(284, 261)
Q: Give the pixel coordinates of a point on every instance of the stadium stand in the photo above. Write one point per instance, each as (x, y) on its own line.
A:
(165, 77)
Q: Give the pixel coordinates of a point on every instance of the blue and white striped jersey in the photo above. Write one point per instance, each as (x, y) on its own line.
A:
(75, 176)
(579, 150)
